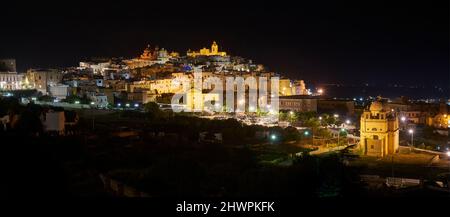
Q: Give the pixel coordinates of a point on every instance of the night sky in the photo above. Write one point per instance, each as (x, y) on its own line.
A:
(335, 42)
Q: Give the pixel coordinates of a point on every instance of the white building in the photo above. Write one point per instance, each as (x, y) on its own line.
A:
(58, 91)
(97, 68)
(54, 121)
(99, 101)
(11, 81)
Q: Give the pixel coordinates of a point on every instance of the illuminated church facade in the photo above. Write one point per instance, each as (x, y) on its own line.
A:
(214, 51)
(379, 131)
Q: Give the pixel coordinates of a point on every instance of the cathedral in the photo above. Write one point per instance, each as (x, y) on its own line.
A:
(214, 51)
(379, 131)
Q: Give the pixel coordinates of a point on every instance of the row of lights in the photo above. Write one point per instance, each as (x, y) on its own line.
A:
(127, 105)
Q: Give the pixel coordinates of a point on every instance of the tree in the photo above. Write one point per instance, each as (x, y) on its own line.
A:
(72, 99)
(46, 98)
(153, 110)
(29, 123)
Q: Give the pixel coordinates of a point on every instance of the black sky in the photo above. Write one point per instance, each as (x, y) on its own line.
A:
(319, 41)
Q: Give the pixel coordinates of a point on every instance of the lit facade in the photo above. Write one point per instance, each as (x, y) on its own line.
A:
(150, 57)
(214, 51)
(41, 79)
(379, 131)
(11, 81)
(298, 103)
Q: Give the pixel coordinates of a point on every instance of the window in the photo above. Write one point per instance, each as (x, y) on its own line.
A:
(374, 129)
(375, 137)
(371, 146)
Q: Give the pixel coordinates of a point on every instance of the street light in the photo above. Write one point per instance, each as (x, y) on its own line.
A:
(411, 131)
(273, 137)
(320, 117)
(320, 91)
(347, 122)
(403, 118)
(291, 112)
(336, 115)
(448, 153)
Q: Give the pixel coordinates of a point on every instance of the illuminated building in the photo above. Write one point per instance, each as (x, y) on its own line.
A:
(148, 54)
(11, 81)
(159, 86)
(298, 103)
(41, 79)
(379, 131)
(195, 99)
(54, 121)
(150, 57)
(99, 100)
(299, 88)
(58, 91)
(9, 78)
(285, 87)
(442, 119)
(214, 51)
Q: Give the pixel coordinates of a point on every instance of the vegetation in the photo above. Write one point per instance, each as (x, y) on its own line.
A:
(46, 98)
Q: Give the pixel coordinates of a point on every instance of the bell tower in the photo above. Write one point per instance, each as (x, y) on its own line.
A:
(214, 48)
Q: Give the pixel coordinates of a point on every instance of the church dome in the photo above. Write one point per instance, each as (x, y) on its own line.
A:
(376, 106)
